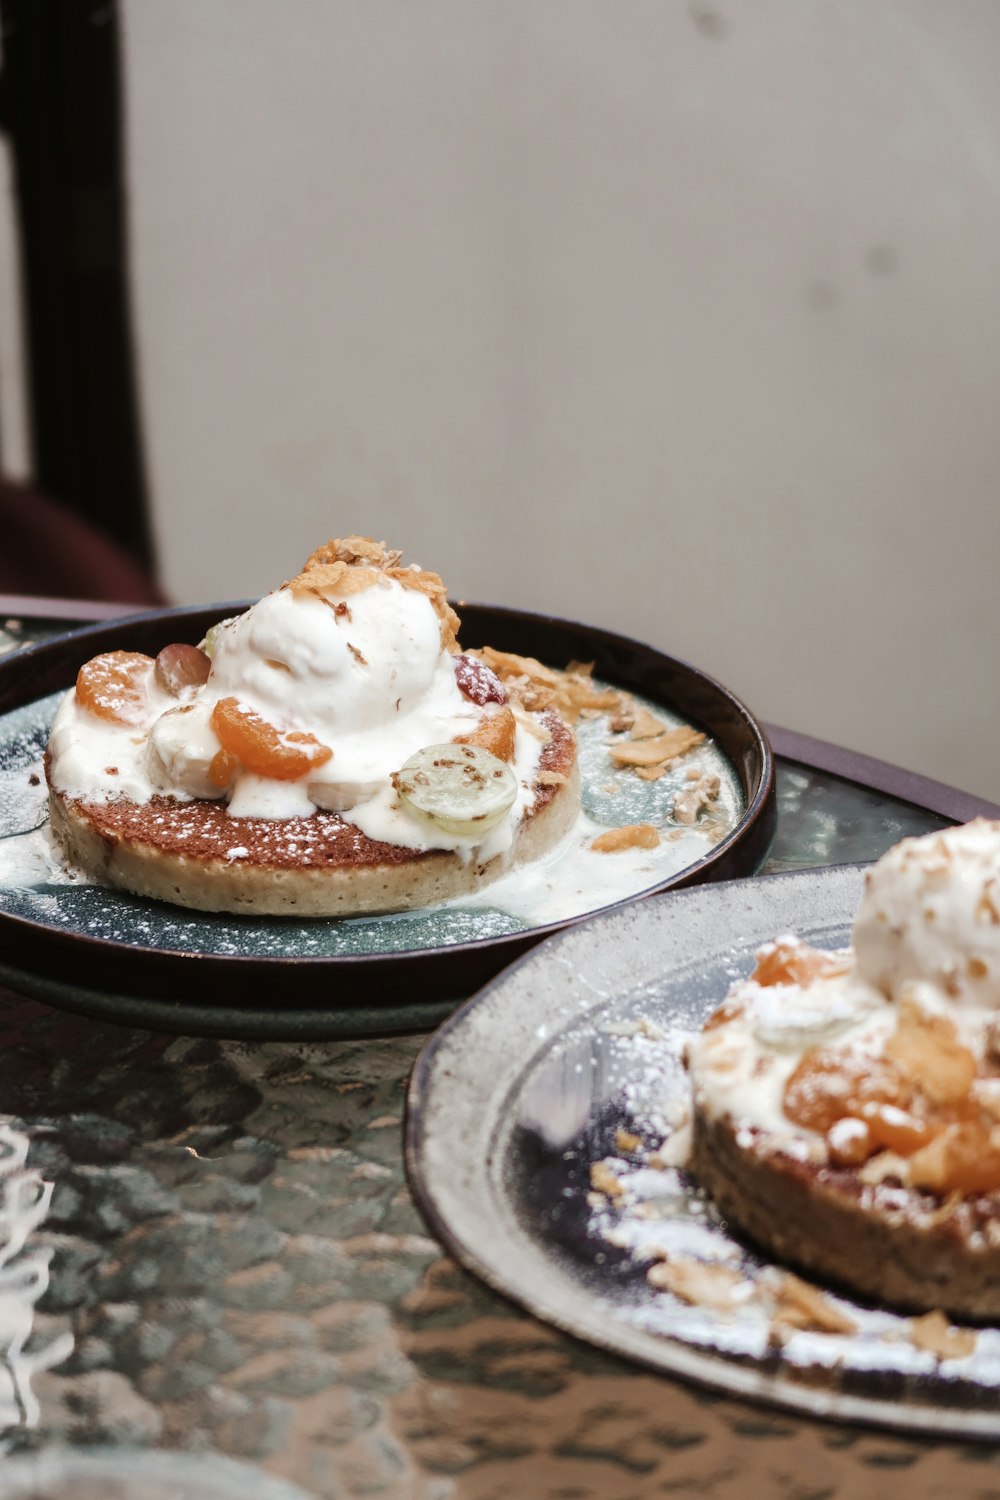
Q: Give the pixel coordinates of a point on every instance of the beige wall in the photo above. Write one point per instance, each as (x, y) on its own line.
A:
(680, 319)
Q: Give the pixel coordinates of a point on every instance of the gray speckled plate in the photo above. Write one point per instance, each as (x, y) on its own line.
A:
(85, 947)
(527, 1086)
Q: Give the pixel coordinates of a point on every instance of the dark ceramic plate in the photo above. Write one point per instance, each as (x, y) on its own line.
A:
(529, 1084)
(106, 953)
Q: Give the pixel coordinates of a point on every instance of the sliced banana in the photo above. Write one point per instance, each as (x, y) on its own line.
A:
(461, 789)
(341, 796)
(788, 1019)
(182, 746)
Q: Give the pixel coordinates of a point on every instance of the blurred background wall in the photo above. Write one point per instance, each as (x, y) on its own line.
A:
(679, 318)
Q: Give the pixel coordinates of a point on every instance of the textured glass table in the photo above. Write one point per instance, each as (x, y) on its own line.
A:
(213, 1279)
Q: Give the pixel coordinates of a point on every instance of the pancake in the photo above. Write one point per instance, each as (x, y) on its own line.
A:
(890, 1242)
(331, 751)
(846, 1105)
(194, 854)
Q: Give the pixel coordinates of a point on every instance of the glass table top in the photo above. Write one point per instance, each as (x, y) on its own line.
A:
(214, 1276)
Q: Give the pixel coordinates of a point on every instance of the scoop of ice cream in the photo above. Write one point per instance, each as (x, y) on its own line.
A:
(332, 665)
(929, 919)
(316, 696)
(365, 673)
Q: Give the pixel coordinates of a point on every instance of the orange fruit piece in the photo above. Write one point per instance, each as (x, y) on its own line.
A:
(113, 686)
(222, 768)
(895, 1129)
(729, 1010)
(796, 963)
(826, 1085)
(495, 733)
(849, 1142)
(961, 1159)
(283, 755)
(927, 1049)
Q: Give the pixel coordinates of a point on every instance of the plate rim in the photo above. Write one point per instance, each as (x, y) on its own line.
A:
(707, 1370)
(55, 658)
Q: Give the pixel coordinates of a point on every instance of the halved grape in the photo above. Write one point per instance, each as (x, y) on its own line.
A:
(460, 789)
(179, 667)
(211, 641)
(478, 682)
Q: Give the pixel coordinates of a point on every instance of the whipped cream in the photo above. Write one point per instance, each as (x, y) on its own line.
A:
(362, 670)
(927, 931)
(929, 921)
(740, 1068)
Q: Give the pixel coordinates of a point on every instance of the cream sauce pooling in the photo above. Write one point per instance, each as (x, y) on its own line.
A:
(568, 882)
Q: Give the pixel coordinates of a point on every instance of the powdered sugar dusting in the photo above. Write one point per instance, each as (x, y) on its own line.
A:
(567, 882)
(654, 1251)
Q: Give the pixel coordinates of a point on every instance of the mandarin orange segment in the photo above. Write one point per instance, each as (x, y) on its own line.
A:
(222, 768)
(792, 962)
(961, 1159)
(729, 1010)
(495, 733)
(826, 1085)
(113, 686)
(282, 755)
(927, 1050)
(895, 1129)
(850, 1142)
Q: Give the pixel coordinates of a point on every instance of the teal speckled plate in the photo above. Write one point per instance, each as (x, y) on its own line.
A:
(86, 947)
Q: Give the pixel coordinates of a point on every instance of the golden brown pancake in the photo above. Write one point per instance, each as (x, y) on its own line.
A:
(194, 854)
(898, 1245)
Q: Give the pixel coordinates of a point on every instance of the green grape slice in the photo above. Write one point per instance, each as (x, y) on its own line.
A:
(459, 789)
(211, 641)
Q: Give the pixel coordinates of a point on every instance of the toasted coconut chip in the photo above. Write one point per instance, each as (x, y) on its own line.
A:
(536, 686)
(803, 1306)
(696, 796)
(337, 577)
(604, 1180)
(508, 666)
(645, 724)
(632, 836)
(937, 1336)
(626, 1141)
(354, 549)
(531, 725)
(593, 700)
(643, 1026)
(650, 773)
(702, 1283)
(550, 778)
(675, 1151)
(349, 564)
(664, 748)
